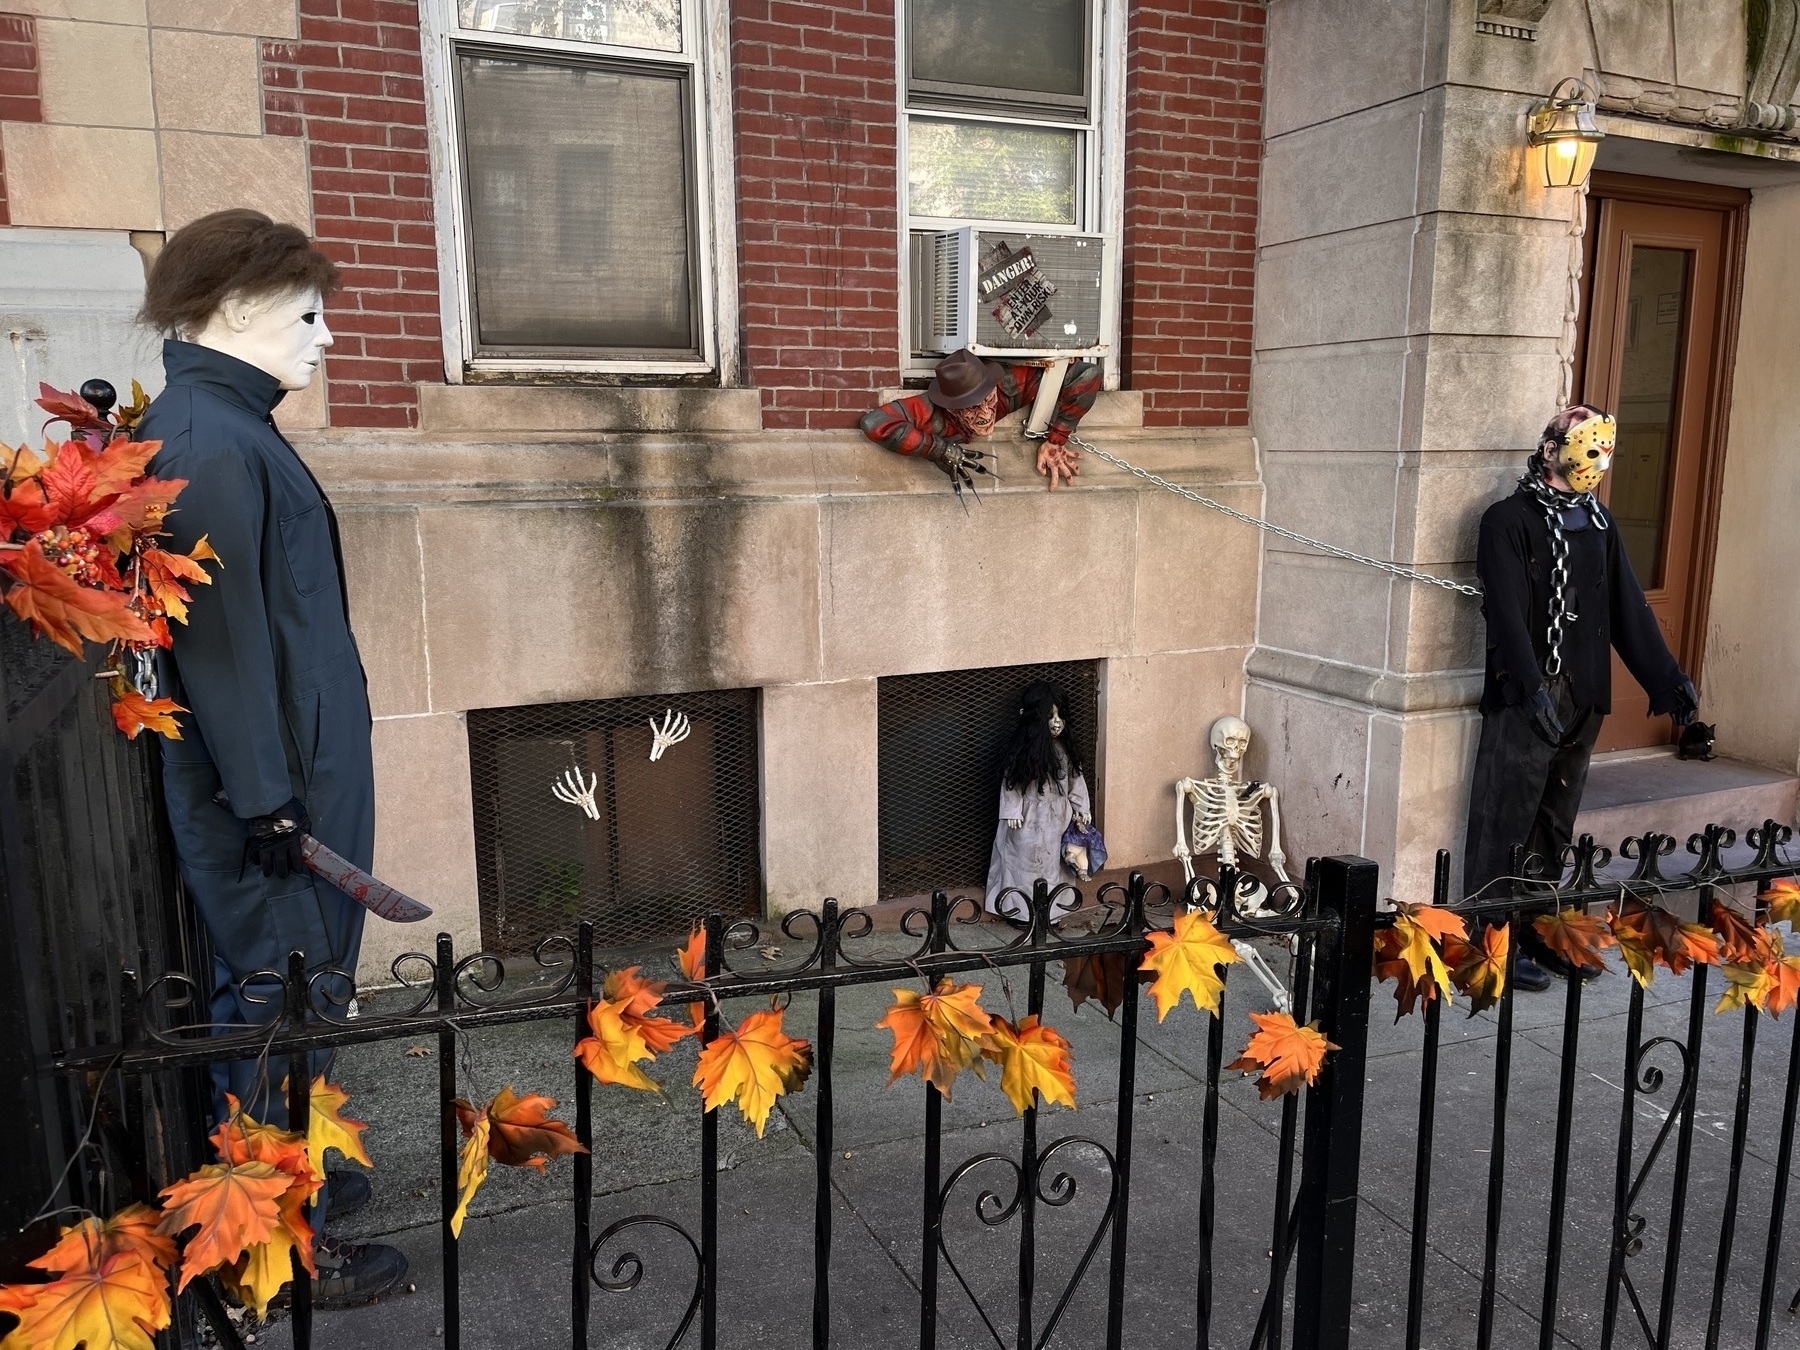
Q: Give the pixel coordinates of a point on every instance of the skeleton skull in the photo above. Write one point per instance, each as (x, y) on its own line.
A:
(1230, 740)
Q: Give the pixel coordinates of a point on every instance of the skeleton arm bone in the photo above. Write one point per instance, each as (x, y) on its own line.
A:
(1182, 789)
(1277, 858)
(1260, 968)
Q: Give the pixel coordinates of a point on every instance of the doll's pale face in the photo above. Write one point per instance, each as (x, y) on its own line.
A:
(1056, 721)
(282, 335)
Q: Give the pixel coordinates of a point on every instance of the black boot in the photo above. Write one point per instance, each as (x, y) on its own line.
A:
(354, 1273)
(346, 1192)
(1527, 975)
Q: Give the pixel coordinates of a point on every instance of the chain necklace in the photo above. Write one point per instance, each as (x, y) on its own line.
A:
(1553, 503)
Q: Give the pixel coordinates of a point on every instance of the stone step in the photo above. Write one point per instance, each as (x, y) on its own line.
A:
(1632, 791)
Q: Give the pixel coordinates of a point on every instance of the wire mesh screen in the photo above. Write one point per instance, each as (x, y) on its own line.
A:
(646, 849)
(942, 741)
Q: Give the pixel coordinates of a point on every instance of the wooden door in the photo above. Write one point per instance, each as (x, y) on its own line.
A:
(1656, 359)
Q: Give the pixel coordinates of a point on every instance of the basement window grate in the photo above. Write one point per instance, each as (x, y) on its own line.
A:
(667, 842)
(942, 740)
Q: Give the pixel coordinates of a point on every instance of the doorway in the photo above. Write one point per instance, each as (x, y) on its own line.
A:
(1662, 315)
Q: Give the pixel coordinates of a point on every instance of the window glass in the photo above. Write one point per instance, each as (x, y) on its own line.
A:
(991, 171)
(1021, 50)
(579, 206)
(655, 24)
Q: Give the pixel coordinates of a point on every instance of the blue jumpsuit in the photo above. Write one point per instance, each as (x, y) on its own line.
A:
(279, 704)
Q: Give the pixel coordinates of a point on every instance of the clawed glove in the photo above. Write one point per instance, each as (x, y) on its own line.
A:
(1687, 703)
(274, 840)
(1544, 719)
(957, 461)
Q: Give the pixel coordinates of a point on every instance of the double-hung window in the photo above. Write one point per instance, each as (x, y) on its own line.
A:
(577, 180)
(1003, 119)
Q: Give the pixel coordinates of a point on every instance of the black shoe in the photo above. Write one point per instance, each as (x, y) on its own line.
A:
(346, 1192)
(1527, 975)
(1549, 962)
(353, 1273)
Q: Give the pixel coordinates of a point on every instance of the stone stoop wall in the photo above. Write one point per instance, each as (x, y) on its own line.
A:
(19, 97)
(490, 573)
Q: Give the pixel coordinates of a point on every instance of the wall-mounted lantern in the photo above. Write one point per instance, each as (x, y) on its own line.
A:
(1564, 126)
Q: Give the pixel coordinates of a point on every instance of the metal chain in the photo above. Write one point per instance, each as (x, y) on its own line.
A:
(1332, 550)
(1559, 576)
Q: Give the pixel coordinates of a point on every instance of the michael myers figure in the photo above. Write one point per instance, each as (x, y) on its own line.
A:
(276, 740)
(1558, 595)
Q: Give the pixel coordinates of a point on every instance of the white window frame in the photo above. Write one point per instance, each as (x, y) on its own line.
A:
(1099, 177)
(706, 48)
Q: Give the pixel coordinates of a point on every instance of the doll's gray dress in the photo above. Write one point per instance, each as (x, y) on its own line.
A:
(1034, 849)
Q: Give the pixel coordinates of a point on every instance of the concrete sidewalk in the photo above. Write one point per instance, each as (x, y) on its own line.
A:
(516, 1249)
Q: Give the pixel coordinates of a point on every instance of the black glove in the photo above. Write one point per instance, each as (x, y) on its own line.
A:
(1544, 719)
(274, 840)
(1686, 700)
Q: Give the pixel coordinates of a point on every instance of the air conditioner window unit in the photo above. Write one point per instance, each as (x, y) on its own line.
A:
(1008, 292)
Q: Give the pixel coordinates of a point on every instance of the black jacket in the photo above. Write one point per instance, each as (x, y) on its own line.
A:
(1513, 562)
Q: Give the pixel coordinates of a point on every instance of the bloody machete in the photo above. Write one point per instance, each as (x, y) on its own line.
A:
(371, 893)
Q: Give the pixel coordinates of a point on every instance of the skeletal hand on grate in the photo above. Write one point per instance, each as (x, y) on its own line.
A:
(571, 788)
(674, 729)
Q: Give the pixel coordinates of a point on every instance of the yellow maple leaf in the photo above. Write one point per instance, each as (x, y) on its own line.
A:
(1288, 1055)
(1479, 968)
(1187, 961)
(1420, 930)
(1783, 900)
(117, 1305)
(328, 1128)
(752, 1066)
(613, 1048)
(1747, 984)
(1033, 1058)
(938, 1035)
(471, 1167)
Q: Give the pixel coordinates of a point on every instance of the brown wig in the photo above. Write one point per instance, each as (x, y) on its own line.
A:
(1556, 435)
(235, 252)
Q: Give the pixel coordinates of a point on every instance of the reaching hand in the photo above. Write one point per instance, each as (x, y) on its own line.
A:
(1054, 461)
(1687, 703)
(273, 842)
(958, 462)
(1544, 719)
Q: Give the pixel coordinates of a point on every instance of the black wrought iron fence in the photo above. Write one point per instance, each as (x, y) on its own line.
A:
(1309, 1295)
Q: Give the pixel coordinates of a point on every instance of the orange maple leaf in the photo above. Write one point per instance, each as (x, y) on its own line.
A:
(139, 509)
(132, 713)
(120, 1303)
(752, 1066)
(1784, 978)
(234, 1205)
(1104, 978)
(1479, 969)
(1033, 1058)
(23, 508)
(62, 609)
(85, 1245)
(1738, 940)
(1187, 960)
(164, 572)
(521, 1132)
(71, 484)
(938, 1035)
(1409, 992)
(1576, 936)
(613, 1048)
(1649, 936)
(636, 996)
(691, 957)
(1289, 1056)
(122, 463)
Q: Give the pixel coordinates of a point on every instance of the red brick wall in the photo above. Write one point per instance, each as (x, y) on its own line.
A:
(1193, 132)
(18, 82)
(353, 86)
(818, 183)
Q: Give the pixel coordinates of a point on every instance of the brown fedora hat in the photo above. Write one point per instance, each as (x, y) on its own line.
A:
(963, 379)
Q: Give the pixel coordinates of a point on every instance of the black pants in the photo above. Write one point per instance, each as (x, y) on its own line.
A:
(1526, 791)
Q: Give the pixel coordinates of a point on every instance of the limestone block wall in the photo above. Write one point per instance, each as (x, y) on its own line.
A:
(488, 573)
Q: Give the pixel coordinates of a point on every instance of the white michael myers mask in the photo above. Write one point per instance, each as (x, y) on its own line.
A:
(282, 335)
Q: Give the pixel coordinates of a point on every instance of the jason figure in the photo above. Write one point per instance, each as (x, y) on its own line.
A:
(964, 400)
(1559, 596)
(275, 740)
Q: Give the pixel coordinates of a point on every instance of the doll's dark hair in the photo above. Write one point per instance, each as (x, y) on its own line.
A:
(1032, 758)
(1556, 434)
(234, 252)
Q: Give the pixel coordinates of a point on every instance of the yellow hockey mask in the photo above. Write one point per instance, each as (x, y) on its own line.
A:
(1587, 452)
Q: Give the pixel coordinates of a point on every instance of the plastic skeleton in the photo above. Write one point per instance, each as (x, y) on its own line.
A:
(1228, 821)
(577, 791)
